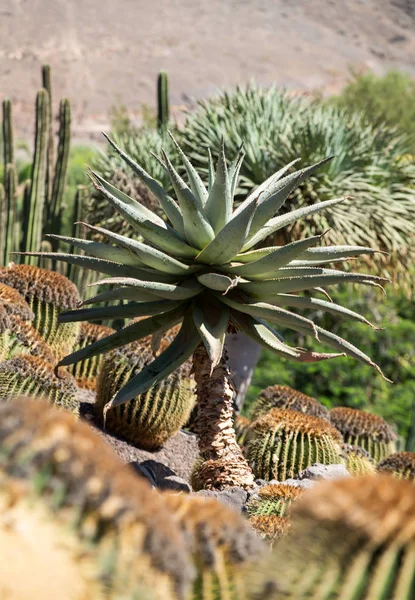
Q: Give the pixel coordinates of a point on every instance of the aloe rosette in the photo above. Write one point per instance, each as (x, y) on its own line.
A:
(202, 267)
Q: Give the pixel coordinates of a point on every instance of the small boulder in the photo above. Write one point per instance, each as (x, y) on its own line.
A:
(234, 497)
(318, 471)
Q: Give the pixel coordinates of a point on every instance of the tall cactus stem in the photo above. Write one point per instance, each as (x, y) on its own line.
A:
(47, 85)
(11, 220)
(162, 100)
(8, 151)
(61, 166)
(74, 273)
(37, 192)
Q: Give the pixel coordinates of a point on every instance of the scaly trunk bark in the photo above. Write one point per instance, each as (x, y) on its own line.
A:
(224, 465)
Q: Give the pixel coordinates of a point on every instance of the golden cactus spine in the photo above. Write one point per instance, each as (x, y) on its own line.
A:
(366, 430)
(149, 420)
(284, 442)
(120, 528)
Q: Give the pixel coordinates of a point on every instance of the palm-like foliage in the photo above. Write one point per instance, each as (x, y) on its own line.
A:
(203, 270)
(370, 163)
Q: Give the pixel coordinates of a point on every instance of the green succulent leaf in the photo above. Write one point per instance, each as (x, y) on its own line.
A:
(166, 202)
(187, 289)
(278, 223)
(149, 225)
(196, 184)
(268, 266)
(128, 334)
(218, 208)
(212, 322)
(126, 311)
(145, 255)
(197, 228)
(218, 282)
(182, 347)
(235, 168)
(103, 266)
(100, 250)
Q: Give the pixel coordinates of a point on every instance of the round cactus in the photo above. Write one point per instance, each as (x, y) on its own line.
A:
(224, 547)
(17, 336)
(86, 371)
(149, 420)
(270, 527)
(356, 460)
(400, 464)
(281, 396)
(273, 499)
(47, 294)
(120, 527)
(30, 375)
(284, 442)
(14, 303)
(352, 538)
(363, 429)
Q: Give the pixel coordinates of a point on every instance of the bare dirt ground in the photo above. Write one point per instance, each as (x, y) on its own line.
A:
(108, 51)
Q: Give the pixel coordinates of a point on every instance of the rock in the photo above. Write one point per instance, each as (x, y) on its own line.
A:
(306, 484)
(174, 483)
(318, 471)
(143, 471)
(234, 497)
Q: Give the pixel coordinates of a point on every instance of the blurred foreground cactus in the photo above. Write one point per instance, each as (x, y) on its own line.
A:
(282, 396)
(400, 464)
(47, 293)
(366, 430)
(350, 539)
(150, 419)
(67, 500)
(284, 442)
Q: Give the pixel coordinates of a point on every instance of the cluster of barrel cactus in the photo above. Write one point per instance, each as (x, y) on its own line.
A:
(399, 464)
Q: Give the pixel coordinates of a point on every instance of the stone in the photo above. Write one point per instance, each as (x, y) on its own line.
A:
(234, 497)
(318, 471)
(174, 483)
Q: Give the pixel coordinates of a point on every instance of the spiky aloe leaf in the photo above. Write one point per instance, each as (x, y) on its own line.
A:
(128, 334)
(196, 184)
(212, 322)
(186, 290)
(218, 206)
(127, 311)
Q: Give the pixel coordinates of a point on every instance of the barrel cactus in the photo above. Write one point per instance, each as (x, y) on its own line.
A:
(203, 267)
(86, 371)
(366, 430)
(14, 303)
(123, 537)
(270, 527)
(400, 464)
(30, 375)
(47, 294)
(356, 460)
(151, 418)
(241, 425)
(350, 538)
(284, 442)
(224, 548)
(282, 396)
(273, 499)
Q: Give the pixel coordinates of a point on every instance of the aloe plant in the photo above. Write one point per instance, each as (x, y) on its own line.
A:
(204, 269)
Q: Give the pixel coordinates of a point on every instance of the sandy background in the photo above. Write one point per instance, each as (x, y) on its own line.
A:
(108, 51)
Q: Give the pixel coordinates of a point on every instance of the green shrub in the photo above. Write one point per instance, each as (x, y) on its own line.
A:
(389, 99)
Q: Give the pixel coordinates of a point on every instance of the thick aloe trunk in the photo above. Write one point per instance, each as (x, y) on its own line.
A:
(224, 465)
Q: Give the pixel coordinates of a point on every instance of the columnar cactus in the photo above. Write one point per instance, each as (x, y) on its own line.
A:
(150, 419)
(224, 548)
(284, 442)
(352, 538)
(124, 539)
(356, 460)
(282, 396)
(273, 499)
(366, 430)
(30, 375)
(47, 293)
(163, 114)
(400, 464)
(86, 371)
